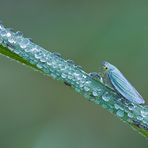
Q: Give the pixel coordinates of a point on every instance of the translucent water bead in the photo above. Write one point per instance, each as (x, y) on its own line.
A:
(87, 85)
(11, 40)
(18, 34)
(116, 106)
(106, 97)
(120, 113)
(3, 33)
(144, 111)
(24, 43)
(63, 75)
(139, 118)
(131, 107)
(97, 92)
(130, 115)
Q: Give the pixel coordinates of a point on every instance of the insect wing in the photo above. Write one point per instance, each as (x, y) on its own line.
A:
(121, 84)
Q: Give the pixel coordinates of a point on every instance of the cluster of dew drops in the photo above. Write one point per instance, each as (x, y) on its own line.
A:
(54, 65)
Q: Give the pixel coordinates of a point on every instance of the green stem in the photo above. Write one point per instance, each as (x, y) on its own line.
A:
(15, 46)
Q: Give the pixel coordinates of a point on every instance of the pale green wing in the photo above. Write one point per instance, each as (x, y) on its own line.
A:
(121, 84)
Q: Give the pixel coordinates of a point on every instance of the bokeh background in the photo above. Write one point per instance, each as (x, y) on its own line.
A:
(38, 112)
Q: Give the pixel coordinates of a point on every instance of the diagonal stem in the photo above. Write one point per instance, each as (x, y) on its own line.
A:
(15, 46)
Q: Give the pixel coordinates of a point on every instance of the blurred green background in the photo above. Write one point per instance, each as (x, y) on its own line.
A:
(38, 112)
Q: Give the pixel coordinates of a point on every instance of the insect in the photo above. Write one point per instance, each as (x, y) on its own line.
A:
(115, 79)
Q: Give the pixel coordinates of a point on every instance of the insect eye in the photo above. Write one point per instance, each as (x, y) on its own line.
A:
(106, 68)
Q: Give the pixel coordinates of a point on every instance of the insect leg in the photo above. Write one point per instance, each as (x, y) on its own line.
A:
(96, 76)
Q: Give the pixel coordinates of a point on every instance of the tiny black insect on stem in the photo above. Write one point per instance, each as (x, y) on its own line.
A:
(67, 84)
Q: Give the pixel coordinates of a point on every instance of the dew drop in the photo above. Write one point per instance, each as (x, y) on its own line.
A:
(144, 112)
(86, 88)
(88, 82)
(95, 93)
(130, 115)
(63, 67)
(11, 40)
(28, 49)
(81, 85)
(63, 75)
(33, 49)
(3, 33)
(131, 107)
(39, 65)
(106, 97)
(8, 34)
(43, 58)
(49, 62)
(99, 92)
(69, 77)
(16, 51)
(24, 43)
(144, 122)
(116, 106)
(120, 113)
(19, 34)
(140, 118)
(84, 77)
(76, 74)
